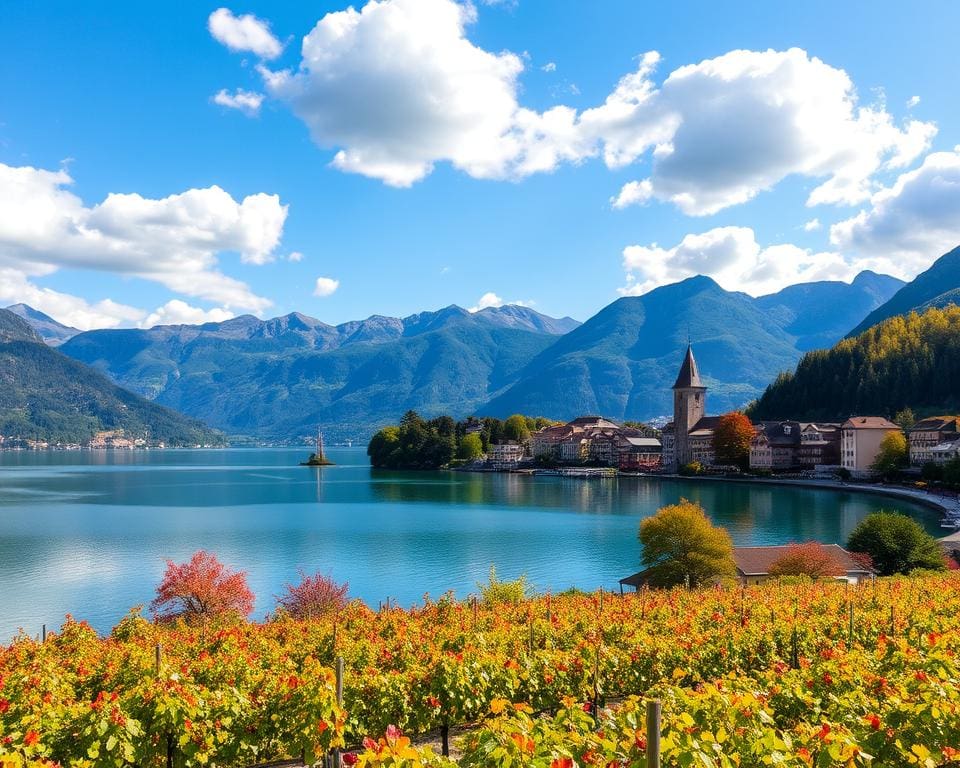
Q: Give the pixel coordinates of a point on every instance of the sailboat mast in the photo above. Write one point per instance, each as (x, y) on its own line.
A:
(319, 443)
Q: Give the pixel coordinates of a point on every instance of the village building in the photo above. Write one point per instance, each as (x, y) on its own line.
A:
(945, 452)
(860, 443)
(689, 437)
(927, 434)
(506, 455)
(780, 446)
(754, 563)
(596, 440)
(639, 454)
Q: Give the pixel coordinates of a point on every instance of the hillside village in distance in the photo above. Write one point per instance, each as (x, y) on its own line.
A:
(688, 443)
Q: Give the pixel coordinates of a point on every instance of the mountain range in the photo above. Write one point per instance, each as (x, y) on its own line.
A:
(280, 377)
(45, 394)
(936, 287)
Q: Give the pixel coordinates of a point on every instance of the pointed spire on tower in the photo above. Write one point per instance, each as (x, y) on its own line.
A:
(689, 373)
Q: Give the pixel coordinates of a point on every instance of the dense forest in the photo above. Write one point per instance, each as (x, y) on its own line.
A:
(417, 443)
(910, 361)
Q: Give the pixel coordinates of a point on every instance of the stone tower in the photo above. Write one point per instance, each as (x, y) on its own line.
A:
(689, 405)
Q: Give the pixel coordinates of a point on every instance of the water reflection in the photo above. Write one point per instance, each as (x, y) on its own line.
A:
(88, 533)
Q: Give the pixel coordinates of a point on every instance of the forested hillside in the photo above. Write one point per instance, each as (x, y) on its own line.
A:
(906, 361)
(46, 395)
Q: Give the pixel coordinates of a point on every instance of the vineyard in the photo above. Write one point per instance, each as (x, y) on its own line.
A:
(790, 674)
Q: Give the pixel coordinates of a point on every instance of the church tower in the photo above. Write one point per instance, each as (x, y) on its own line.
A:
(689, 405)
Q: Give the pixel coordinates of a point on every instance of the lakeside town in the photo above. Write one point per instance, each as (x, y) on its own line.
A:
(689, 443)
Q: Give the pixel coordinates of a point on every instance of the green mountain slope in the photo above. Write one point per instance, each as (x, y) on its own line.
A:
(45, 394)
(905, 361)
(623, 361)
(279, 378)
(937, 286)
(818, 314)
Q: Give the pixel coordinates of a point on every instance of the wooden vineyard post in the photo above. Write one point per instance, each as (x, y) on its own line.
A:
(743, 601)
(850, 628)
(157, 655)
(653, 734)
(339, 672)
(43, 634)
(445, 739)
(475, 607)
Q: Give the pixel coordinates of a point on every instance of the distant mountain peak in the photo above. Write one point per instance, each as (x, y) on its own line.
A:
(935, 286)
(51, 331)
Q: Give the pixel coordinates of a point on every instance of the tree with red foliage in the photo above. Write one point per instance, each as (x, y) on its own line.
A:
(200, 589)
(808, 559)
(315, 595)
(731, 439)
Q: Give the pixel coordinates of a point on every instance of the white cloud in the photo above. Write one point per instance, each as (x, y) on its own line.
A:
(912, 102)
(295, 256)
(812, 226)
(725, 129)
(174, 240)
(15, 287)
(326, 286)
(912, 222)
(244, 33)
(247, 102)
(397, 87)
(177, 312)
(489, 299)
(633, 193)
(733, 257)
(550, 66)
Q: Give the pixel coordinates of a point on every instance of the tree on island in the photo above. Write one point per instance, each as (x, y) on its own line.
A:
(315, 595)
(731, 439)
(893, 455)
(808, 559)
(680, 544)
(200, 589)
(896, 544)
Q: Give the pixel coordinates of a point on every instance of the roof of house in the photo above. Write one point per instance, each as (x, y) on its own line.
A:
(689, 375)
(869, 422)
(779, 432)
(756, 561)
(643, 442)
(936, 424)
(593, 421)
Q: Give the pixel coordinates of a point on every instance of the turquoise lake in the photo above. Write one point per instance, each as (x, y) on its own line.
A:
(88, 533)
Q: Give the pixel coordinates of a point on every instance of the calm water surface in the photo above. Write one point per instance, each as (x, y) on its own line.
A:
(88, 533)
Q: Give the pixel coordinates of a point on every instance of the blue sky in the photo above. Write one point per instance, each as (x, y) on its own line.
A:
(455, 181)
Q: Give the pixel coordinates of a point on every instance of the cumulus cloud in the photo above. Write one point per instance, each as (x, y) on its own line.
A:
(16, 287)
(912, 102)
(247, 102)
(397, 87)
(178, 312)
(295, 256)
(550, 66)
(733, 257)
(489, 299)
(633, 193)
(325, 286)
(913, 221)
(812, 226)
(244, 33)
(725, 129)
(173, 240)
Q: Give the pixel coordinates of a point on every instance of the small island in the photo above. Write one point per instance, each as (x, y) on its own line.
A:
(318, 458)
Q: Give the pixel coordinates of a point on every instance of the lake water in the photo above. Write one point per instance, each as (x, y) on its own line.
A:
(88, 533)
